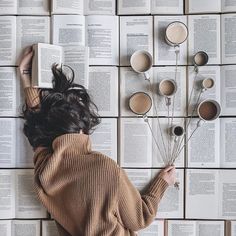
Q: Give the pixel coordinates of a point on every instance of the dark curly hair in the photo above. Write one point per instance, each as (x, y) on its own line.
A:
(66, 108)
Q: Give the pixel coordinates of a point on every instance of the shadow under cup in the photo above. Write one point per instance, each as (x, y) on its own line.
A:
(209, 110)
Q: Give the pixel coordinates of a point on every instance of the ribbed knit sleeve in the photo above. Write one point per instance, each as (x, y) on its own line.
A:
(137, 211)
(32, 96)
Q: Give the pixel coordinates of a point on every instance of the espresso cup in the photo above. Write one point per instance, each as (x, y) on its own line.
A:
(141, 62)
(140, 103)
(167, 87)
(177, 130)
(200, 58)
(176, 33)
(208, 110)
(208, 83)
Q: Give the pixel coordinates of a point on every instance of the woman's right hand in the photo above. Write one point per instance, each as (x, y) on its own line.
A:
(168, 174)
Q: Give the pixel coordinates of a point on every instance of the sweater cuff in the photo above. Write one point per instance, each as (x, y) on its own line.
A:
(32, 96)
(158, 187)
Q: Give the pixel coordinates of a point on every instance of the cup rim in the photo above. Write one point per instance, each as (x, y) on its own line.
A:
(173, 82)
(144, 94)
(205, 80)
(145, 52)
(200, 52)
(174, 126)
(217, 104)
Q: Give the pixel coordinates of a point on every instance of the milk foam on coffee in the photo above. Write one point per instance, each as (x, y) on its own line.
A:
(200, 59)
(141, 62)
(140, 103)
(208, 83)
(176, 33)
(167, 87)
(208, 110)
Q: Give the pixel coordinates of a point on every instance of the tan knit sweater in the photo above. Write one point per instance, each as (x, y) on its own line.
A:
(86, 192)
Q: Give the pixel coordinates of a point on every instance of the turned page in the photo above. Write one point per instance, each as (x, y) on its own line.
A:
(49, 228)
(228, 90)
(67, 7)
(172, 203)
(167, 6)
(24, 227)
(7, 193)
(228, 31)
(202, 194)
(133, 7)
(33, 7)
(103, 88)
(135, 143)
(202, 6)
(140, 178)
(5, 226)
(204, 145)
(31, 30)
(102, 38)
(195, 86)
(227, 190)
(228, 5)
(8, 91)
(204, 35)
(27, 203)
(104, 138)
(156, 228)
(161, 73)
(136, 33)
(180, 228)
(99, 7)
(130, 83)
(164, 53)
(206, 228)
(8, 7)
(7, 40)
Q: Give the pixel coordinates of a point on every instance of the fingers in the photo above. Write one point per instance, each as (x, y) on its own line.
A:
(169, 168)
(27, 58)
(27, 50)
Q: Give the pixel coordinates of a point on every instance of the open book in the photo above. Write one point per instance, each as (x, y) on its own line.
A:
(209, 6)
(24, 7)
(230, 228)
(45, 56)
(136, 7)
(20, 227)
(84, 7)
(172, 203)
(210, 194)
(18, 197)
(194, 228)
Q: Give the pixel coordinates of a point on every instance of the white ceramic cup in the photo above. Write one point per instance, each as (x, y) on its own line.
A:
(200, 58)
(167, 87)
(141, 62)
(207, 83)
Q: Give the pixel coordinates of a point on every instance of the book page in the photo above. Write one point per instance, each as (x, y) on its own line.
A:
(130, 83)
(27, 203)
(204, 35)
(202, 194)
(103, 89)
(164, 53)
(102, 38)
(26, 228)
(204, 145)
(172, 203)
(140, 178)
(68, 30)
(49, 228)
(202, 6)
(31, 30)
(228, 45)
(7, 142)
(133, 7)
(8, 91)
(179, 99)
(206, 228)
(8, 7)
(8, 40)
(228, 90)
(33, 7)
(7, 193)
(227, 190)
(68, 7)
(104, 138)
(99, 7)
(195, 86)
(228, 5)
(233, 228)
(136, 33)
(167, 7)
(156, 228)
(180, 228)
(5, 227)
(135, 143)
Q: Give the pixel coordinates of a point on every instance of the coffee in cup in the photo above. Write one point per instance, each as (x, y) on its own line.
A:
(140, 103)
(209, 110)
(177, 130)
(208, 83)
(200, 58)
(167, 87)
(141, 62)
(176, 33)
